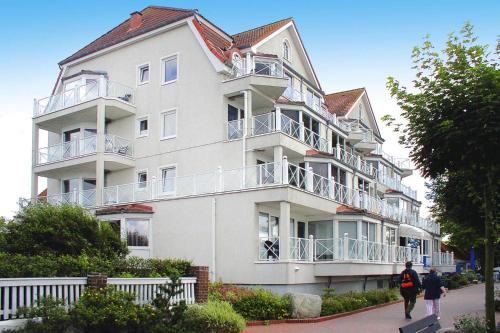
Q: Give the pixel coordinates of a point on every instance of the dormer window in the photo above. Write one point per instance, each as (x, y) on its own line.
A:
(286, 50)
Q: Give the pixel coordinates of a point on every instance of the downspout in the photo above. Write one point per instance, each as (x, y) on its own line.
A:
(245, 130)
(214, 239)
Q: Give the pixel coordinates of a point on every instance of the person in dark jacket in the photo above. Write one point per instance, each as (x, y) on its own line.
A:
(409, 287)
(434, 287)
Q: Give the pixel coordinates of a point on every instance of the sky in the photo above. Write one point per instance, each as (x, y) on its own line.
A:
(351, 44)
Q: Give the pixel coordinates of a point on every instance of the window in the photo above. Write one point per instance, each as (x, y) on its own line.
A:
(142, 178)
(143, 74)
(268, 226)
(368, 231)
(168, 124)
(348, 227)
(142, 129)
(286, 50)
(390, 236)
(137, 232)
(169, 68)
(168, 179)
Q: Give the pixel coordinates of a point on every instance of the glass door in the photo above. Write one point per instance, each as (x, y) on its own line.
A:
(87, 196)
(70, 143)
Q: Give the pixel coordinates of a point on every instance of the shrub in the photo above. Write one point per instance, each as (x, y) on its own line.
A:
(18, 265)
(215, 316)
(44, 229)
(380, 296)
(263, 305)
(470, 324)
(331, 306)
(252, 304)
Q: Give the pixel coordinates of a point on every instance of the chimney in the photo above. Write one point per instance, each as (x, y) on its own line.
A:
(135, 20)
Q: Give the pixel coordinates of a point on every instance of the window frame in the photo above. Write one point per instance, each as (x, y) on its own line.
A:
(162, 124)
(162, 66)
(138, 73)
(148, 220)
(160, 176)
(289, 50)
(138, 182)
(138, 127)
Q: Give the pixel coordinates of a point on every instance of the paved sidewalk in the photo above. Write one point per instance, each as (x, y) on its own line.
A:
(388, 319)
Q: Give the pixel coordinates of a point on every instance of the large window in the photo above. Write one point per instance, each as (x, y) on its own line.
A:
(137, 232)
(390, 236)
(170, 69)
(268, 226)
(168, 175)
(348, 227)
(168, 124)
(369, 232)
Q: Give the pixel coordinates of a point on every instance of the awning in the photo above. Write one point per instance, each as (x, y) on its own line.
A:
(406, 230)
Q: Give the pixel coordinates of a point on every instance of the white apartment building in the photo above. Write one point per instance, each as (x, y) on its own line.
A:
(224, 149)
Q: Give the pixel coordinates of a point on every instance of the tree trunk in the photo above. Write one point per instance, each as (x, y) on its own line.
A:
(490, 239)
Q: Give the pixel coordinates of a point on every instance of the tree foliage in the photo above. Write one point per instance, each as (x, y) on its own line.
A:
(452, 127)
(60, 230)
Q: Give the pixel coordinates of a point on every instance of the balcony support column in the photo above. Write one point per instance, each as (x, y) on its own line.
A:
(278, 159)
(284, 230)
(99, 172)
(277, 120)
(35, 133)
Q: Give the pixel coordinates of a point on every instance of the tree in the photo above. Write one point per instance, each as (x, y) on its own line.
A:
(66, 229)
(452, 125)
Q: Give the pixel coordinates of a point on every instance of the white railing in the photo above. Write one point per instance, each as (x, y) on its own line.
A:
(353, 160)
(395, 184)
(235, 129)
(67, 150)
(269, 248)
(81, 94)
(400, 162)
(300, 249)
(118, 145)
(82, 147)
(263, 123)
(328, 249)
(258, 65)
(27, 292)
(146, 289)
(354, 126)
(85, 198)
(249, 177)
(442, 259)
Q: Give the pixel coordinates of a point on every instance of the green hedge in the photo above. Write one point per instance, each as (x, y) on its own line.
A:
(252, 304)
(215, 316)
(18, 265)
(333, 303)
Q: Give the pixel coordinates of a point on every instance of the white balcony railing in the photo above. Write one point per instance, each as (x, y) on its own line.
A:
(442, 259)
(269, 248)
(354, 126)
(256, 176)
(85, 198)
(395, 184)
(258, 65)
(81, 94)
(82, 147)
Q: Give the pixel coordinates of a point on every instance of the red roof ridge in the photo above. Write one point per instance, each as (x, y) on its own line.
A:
(251, 37)
(340, 103)
(171, 8)
(345, 91)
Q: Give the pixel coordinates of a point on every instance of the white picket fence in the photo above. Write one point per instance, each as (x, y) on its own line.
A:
(26, 292)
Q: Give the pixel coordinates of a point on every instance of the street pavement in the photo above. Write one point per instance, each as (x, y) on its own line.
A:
(389, 318)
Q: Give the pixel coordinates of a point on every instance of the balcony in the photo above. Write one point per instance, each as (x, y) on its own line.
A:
(395, 184)
(266, 124)
(360, 137)
(82, 152)
(79, 104)
(254, 177)
(85, 198)
(401, 163)
(264, 73)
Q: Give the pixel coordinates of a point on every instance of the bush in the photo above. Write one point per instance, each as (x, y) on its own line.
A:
(332, 306)
(18, 265)
(253, 304)
(470, 324)
(44, 229)
(215, 317)
(351, 301)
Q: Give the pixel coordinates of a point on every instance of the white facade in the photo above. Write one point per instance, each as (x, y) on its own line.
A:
(244, 172)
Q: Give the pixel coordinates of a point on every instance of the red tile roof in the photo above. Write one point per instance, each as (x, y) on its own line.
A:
(215, 42)
(153, 17)
(340, 103)
(132, 208)
(251, 37)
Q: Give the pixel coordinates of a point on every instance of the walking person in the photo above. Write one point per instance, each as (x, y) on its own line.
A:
(434, 287)
(409, 287)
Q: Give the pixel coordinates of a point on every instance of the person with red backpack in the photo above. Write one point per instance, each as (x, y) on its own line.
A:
(409, 287)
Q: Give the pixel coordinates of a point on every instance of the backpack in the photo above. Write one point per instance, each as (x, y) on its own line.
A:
(406, 282)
